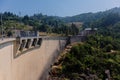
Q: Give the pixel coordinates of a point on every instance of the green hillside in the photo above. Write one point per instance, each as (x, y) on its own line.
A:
(98, 57)
(37, 22)
(88, 17)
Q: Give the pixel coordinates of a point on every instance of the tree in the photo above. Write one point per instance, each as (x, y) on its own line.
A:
(109, 47)
(74, 29)
(26, 19)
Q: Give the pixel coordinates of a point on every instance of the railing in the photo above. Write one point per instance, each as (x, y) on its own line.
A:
(6, 40)
(26, 44)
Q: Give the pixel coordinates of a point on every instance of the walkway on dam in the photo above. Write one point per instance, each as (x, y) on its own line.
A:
(6, 40)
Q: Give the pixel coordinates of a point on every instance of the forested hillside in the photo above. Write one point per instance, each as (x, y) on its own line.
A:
(53, 24)
(96, 58)
(88, 17)
(37, 22)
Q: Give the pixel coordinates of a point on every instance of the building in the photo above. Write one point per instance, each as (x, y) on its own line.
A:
(21, 33)
(88, 31)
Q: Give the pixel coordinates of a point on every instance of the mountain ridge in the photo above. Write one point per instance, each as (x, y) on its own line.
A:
(87, 17)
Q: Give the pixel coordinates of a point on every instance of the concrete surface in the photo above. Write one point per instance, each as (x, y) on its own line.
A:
(32, 65)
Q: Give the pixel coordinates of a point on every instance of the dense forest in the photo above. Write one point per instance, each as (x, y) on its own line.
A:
(59, 25)
(88, 17)
(96, 58)
(37, 22)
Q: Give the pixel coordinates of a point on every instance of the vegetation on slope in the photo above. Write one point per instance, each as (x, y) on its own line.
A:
(91, 59)
(54, 24)
(89, 17)
(96, 58)
(39, 22)
(99, 56)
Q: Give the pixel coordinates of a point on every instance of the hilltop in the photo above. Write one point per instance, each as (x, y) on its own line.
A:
(87, 17)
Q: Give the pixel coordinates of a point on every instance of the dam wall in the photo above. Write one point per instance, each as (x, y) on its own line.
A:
(30, 63)
(6, 54)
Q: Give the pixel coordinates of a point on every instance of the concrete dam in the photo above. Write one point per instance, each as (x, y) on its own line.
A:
(28, 58)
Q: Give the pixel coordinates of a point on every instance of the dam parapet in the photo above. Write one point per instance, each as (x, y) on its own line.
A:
(24, 44)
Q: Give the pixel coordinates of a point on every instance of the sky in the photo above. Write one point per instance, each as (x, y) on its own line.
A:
(56, 7)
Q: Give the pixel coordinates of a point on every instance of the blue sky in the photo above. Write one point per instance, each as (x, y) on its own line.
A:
(56, 7)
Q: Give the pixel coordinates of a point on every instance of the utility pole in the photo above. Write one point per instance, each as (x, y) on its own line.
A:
(1, 27)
